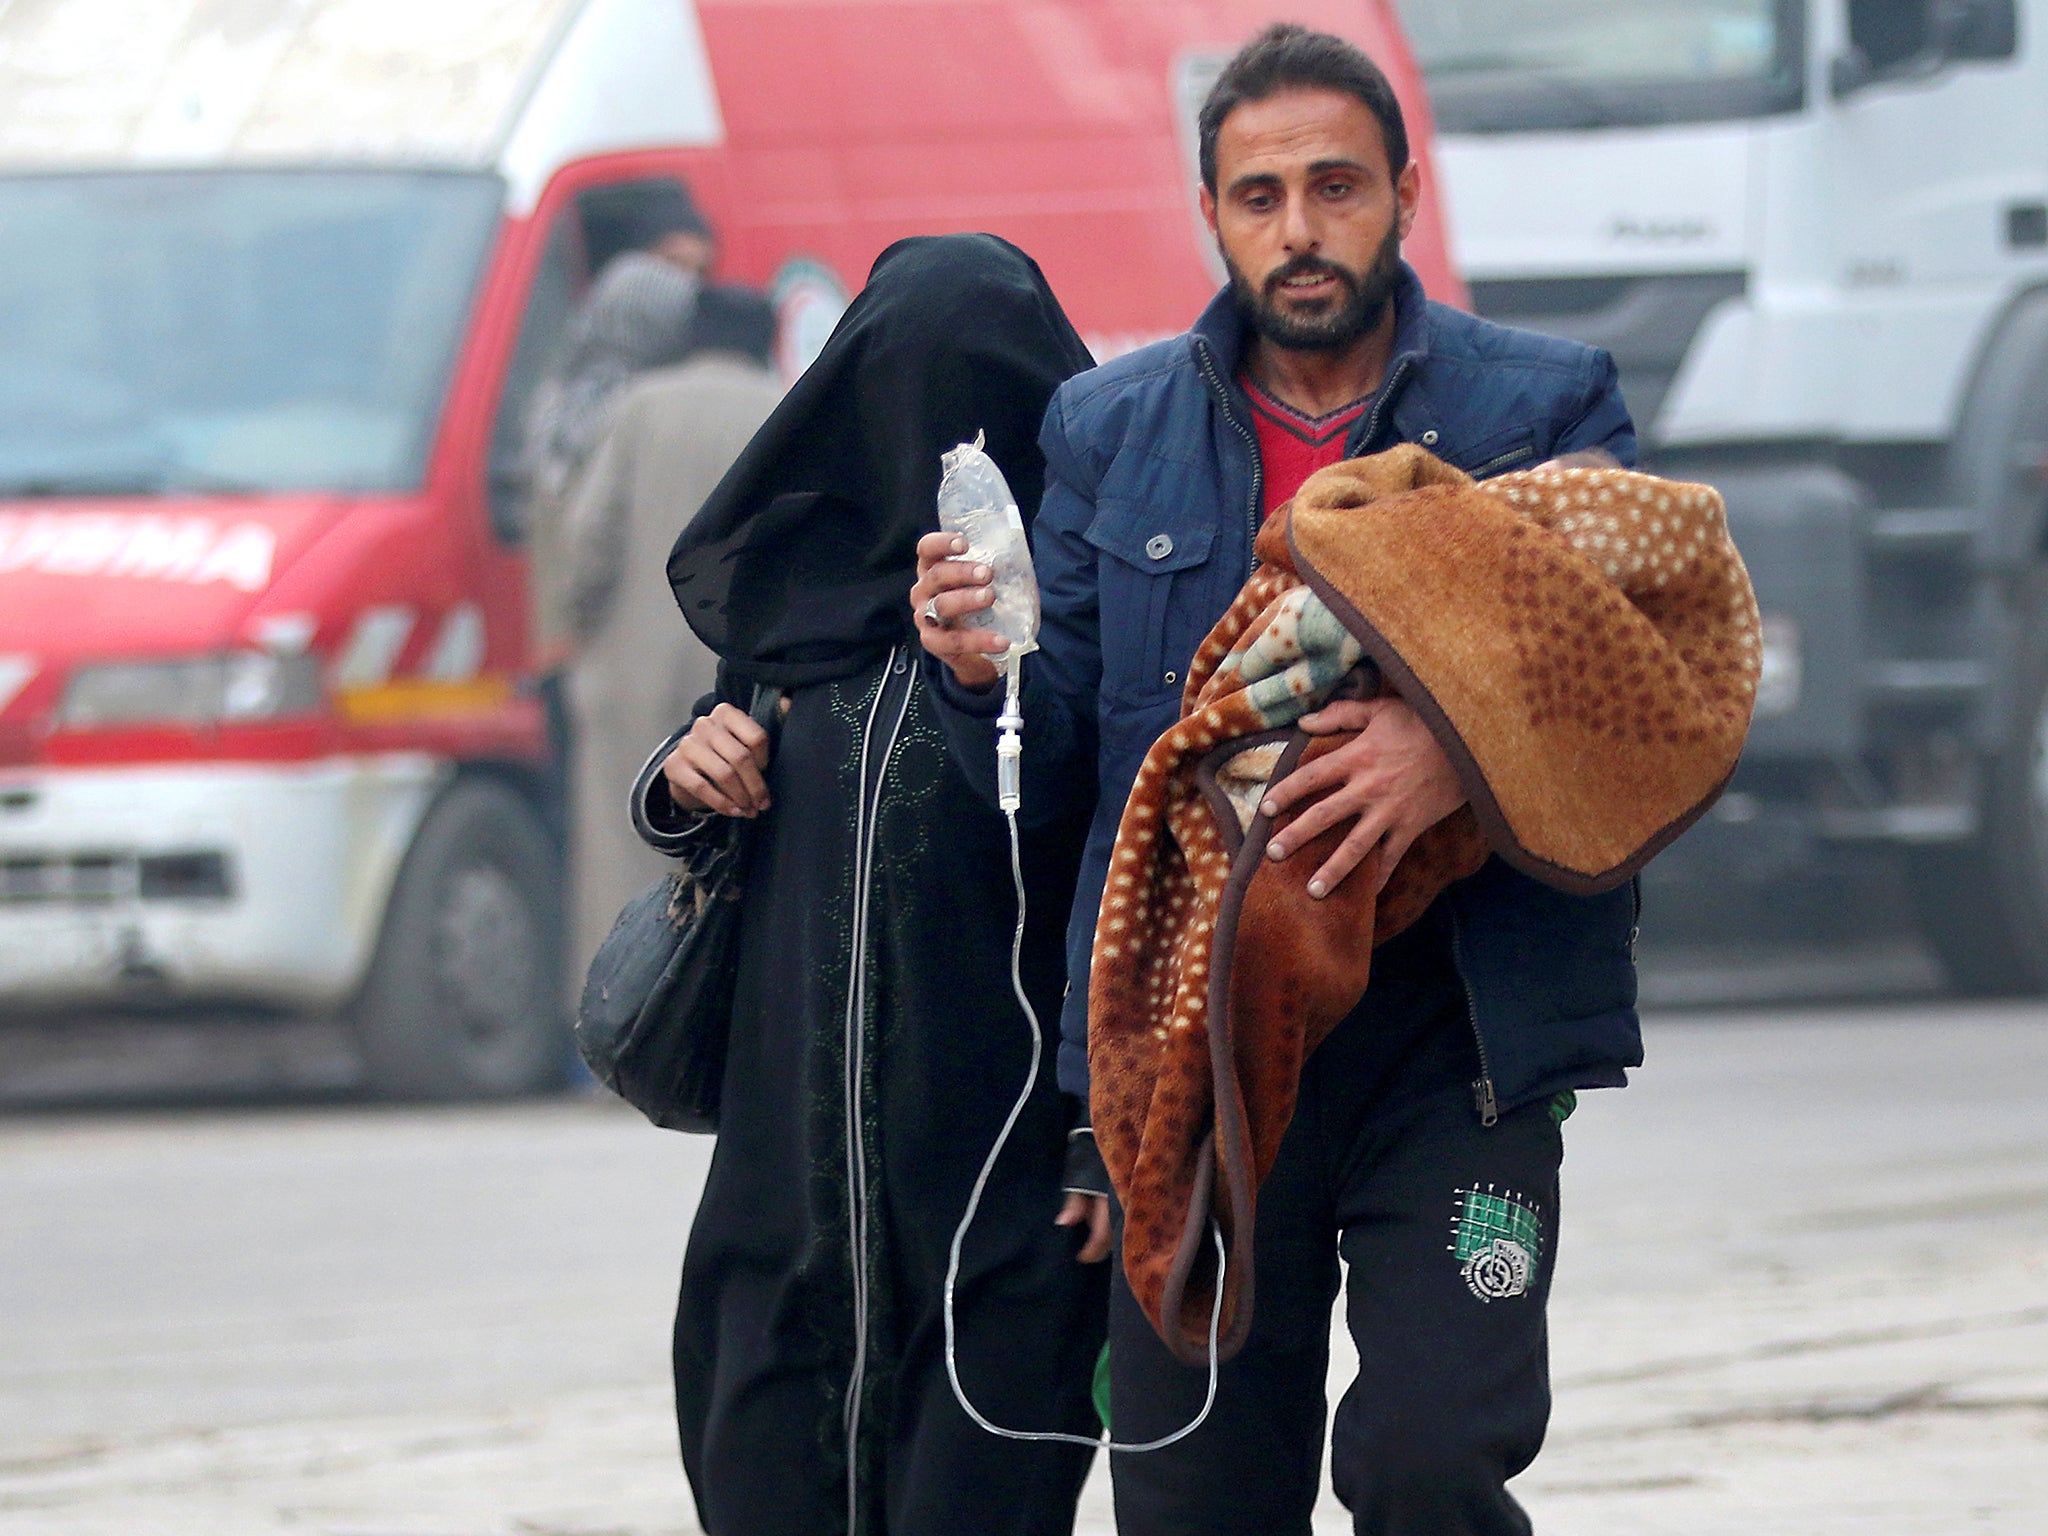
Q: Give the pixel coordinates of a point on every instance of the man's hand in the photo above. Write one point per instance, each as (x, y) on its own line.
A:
(1394, 779)
(1585, 458)
(718, 766)
(1094, 1211)
(956, 590)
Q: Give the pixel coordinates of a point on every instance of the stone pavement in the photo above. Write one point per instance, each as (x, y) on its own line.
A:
(1802, 1289)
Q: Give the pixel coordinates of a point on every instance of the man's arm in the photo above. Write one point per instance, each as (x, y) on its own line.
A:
(1061, 681)
(1603, 421)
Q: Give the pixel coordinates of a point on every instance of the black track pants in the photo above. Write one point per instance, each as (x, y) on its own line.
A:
(1448, 1230)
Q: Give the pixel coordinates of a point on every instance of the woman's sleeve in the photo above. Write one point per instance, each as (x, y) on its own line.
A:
(663, 825)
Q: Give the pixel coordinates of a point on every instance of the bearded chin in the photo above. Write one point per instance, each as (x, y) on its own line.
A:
(1358, 313)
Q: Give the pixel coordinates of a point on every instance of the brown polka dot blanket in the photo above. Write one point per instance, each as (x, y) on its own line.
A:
(1583, 643)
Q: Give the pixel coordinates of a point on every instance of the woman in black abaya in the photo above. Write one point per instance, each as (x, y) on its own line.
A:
(876, 1043)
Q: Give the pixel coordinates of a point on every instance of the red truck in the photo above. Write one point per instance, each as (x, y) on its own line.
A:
(275, 300)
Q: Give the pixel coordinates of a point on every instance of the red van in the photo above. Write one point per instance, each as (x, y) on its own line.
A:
(274, 302)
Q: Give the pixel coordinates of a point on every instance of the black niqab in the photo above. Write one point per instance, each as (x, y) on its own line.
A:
(798, 568)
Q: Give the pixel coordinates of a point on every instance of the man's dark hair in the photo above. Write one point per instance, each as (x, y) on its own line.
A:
(1286, 57)
(733, 319)
(657, 210)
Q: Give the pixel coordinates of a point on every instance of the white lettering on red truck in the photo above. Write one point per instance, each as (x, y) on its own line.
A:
(146, 547)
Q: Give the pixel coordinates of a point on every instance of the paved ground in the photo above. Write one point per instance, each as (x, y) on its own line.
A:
(1802, 1288)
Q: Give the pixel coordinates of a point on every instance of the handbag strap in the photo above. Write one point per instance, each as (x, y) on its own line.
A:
(765, 705)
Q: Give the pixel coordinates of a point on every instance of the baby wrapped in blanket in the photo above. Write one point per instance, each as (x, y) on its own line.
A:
(1584, 645)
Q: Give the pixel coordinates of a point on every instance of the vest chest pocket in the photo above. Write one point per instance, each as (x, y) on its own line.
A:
(1151, 617)
(1499, 453)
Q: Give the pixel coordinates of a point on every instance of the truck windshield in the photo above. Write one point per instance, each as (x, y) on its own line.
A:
(1498, 66)
(178, 331)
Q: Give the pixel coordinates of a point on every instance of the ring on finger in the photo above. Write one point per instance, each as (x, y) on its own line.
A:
(931, 610)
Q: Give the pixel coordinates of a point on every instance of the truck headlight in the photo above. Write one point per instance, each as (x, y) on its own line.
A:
(1777, 686)
(192, 690)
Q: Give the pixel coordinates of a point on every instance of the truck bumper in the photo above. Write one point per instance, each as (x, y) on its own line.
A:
(252, 884)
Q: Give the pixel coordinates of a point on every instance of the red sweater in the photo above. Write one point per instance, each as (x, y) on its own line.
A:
(1293, 446)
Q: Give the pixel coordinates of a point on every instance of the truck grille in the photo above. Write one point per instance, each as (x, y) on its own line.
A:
(82, 879)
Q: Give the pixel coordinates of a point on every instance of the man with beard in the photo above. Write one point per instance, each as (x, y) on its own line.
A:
(1429, 1122)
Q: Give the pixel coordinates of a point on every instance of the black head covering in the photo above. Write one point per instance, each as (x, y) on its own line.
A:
(798, 568)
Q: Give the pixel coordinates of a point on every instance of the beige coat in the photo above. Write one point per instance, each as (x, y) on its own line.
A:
(637, 669)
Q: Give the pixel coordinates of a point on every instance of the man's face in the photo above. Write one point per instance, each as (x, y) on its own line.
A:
(1309, 217)
(693, 253)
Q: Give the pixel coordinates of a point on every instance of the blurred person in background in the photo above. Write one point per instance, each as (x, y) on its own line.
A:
(634, 669)
(635, 316)
(876, 1045)
(1455, 1071)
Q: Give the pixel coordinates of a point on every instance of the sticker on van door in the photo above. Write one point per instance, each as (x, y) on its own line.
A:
(808, 299)
(1194, 75)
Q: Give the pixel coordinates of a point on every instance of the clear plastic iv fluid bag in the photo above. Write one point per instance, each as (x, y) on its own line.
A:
(975, 500)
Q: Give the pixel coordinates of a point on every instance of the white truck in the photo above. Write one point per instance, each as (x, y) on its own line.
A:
(1814, 233)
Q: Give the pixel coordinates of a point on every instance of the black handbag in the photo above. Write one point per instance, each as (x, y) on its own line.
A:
(656, 1011)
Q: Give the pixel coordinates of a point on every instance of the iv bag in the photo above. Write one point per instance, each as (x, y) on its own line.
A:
(975, 500)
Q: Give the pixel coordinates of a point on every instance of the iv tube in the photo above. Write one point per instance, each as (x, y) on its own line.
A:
(975, 501)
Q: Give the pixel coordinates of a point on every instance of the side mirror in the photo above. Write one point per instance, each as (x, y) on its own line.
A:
(1976, 29)
(1954, 30)
(1849, 73)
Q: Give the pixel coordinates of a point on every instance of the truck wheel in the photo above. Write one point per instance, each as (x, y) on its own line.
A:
(463, 998)
(1983, 906)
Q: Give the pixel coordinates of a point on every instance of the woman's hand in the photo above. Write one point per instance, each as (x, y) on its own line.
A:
(718, 766)
(947, 590)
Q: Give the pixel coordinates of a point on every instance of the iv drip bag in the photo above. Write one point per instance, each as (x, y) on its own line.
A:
(975, 500)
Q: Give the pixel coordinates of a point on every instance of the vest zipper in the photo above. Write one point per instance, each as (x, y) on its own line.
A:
(1251, 441)
(1503, 460)
(1484, 1099)
(1369, 428)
